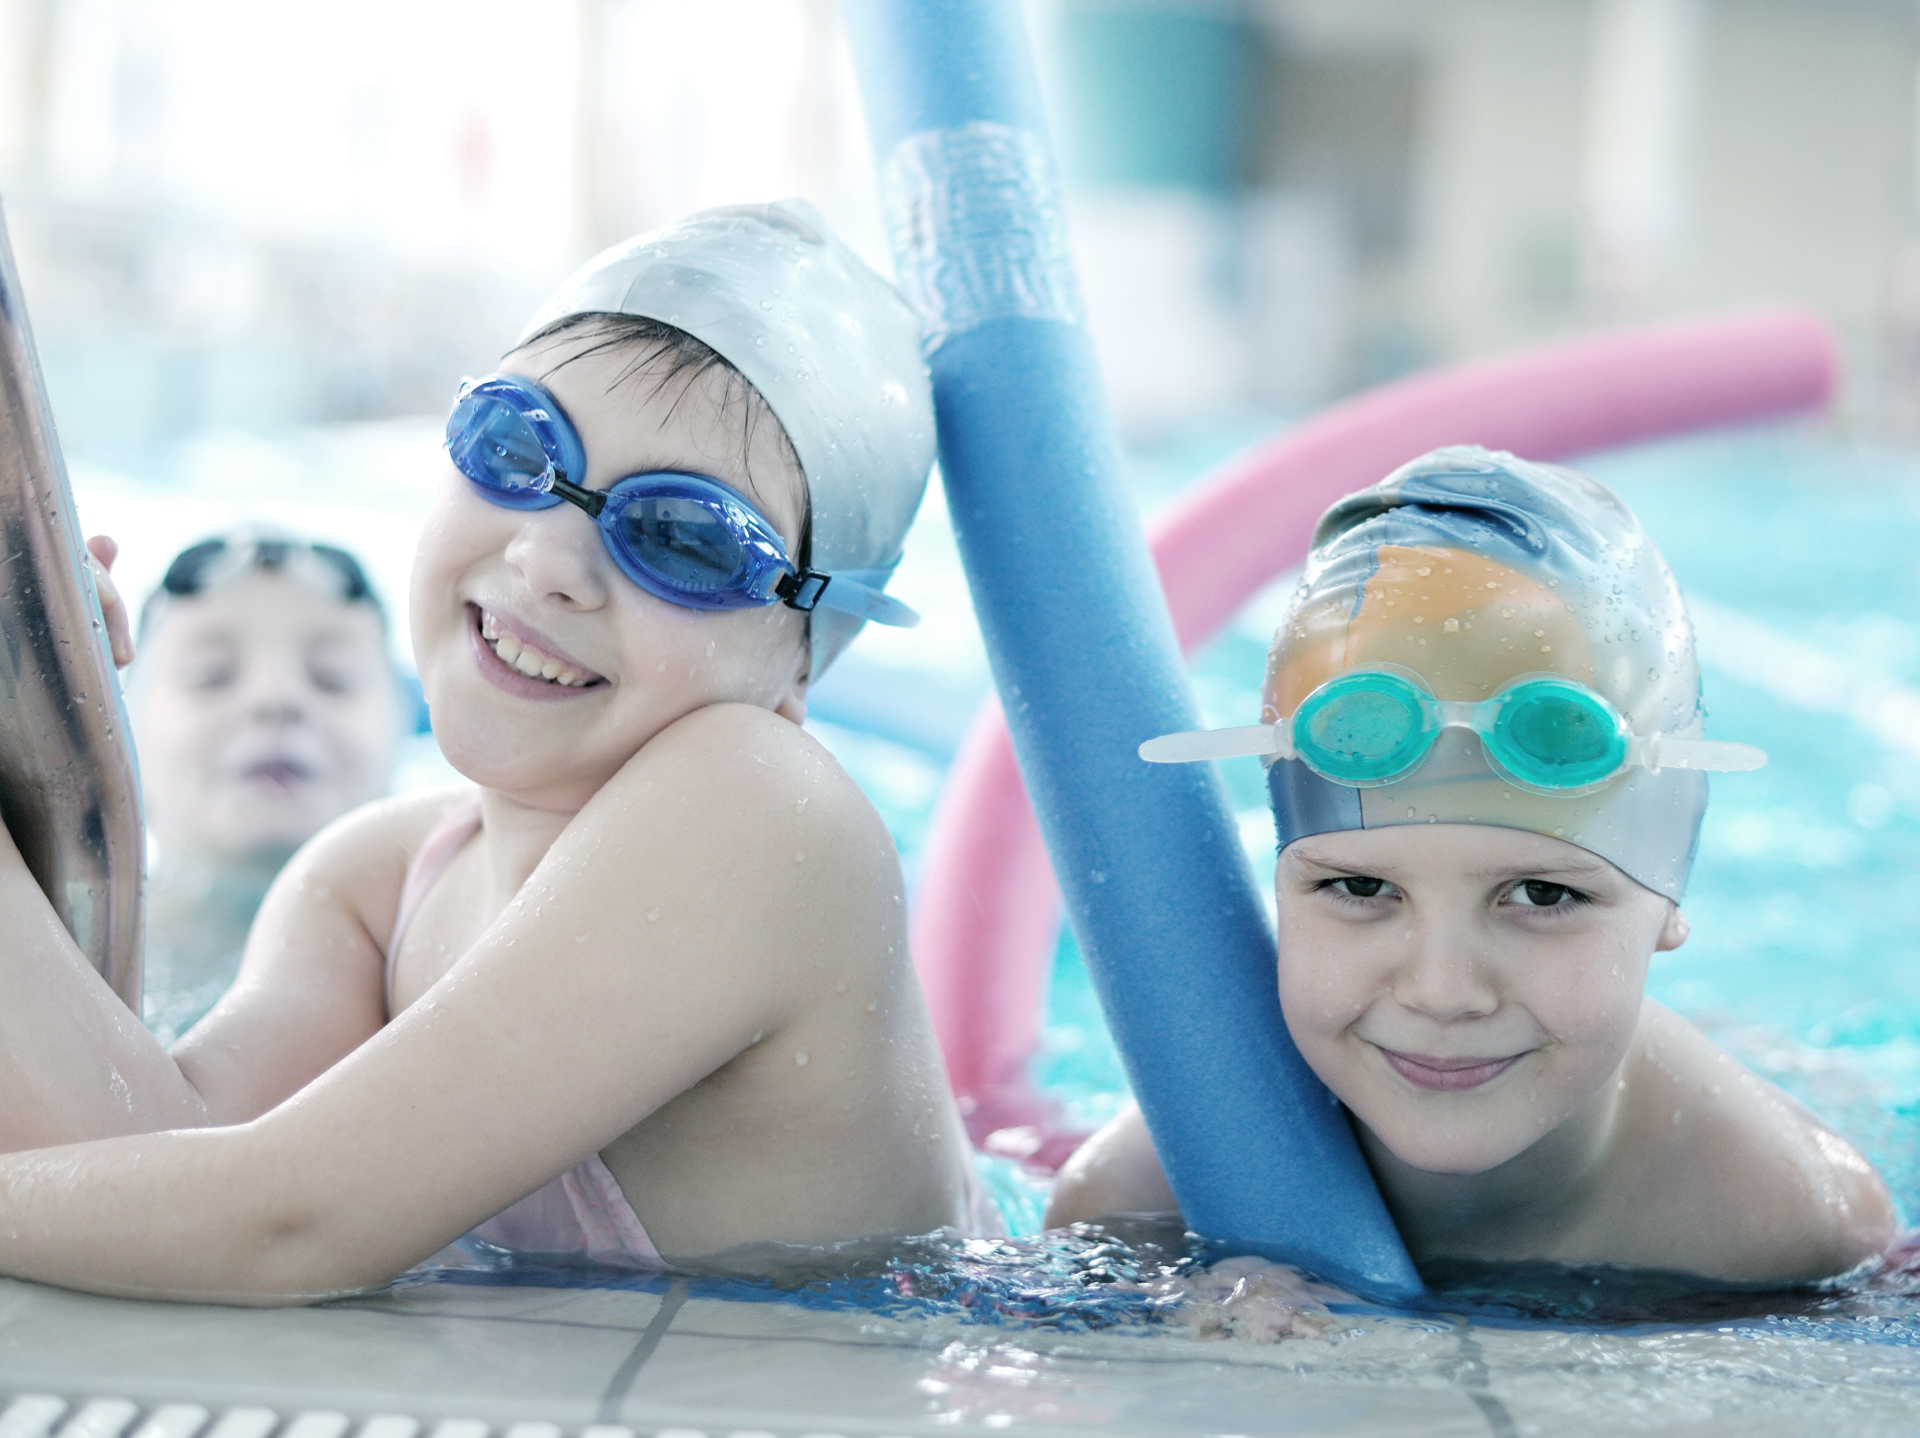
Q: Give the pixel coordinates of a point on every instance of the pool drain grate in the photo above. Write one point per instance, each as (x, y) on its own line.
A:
(43, 1415)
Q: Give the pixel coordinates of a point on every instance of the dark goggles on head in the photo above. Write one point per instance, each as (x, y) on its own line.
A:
(213, 564)
(1376, 725)
(685, 538)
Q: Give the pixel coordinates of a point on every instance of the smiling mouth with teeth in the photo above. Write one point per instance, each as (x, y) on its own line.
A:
(528, 660)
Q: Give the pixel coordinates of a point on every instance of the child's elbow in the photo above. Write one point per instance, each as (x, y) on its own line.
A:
(291, 1259)
(1868, 1225)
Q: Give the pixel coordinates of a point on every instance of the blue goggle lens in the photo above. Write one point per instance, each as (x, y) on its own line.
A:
(681, 542)
(493, 444)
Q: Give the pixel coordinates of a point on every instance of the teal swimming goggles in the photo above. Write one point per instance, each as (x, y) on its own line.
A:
(1541, 732)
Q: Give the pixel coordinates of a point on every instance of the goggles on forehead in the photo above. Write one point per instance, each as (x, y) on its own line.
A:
(685, 538)
(1541, 732)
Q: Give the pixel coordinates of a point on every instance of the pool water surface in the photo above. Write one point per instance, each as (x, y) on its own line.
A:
(1797, 551)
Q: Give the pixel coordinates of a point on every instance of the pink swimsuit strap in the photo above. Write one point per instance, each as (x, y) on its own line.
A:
(446, 839)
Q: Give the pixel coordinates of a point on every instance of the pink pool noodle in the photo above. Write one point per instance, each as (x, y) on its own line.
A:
(986, 916)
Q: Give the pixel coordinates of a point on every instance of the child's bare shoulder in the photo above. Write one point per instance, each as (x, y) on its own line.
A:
(362, 857)
(751, 778)
(1760, 1189)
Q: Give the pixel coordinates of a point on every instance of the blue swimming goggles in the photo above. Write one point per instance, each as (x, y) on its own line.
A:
(686, 538)
(1375, 725)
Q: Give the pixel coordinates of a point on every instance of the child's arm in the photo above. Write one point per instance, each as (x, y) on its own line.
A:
(695, 905)
(1115, 1171)
(77, 1064)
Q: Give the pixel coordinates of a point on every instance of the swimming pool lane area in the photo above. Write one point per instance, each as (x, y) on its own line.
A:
(1795, 547)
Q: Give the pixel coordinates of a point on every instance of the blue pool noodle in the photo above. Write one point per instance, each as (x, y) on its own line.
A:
(1159, 893)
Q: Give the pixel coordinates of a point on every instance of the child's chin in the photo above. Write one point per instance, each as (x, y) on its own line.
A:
(1448, 1156)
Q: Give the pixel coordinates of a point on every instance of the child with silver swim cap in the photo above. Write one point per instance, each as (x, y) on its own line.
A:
(1487, 764)
(639, 996)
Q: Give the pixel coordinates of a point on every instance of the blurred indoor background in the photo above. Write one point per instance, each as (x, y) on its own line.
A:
(261, 243)
(242, 216)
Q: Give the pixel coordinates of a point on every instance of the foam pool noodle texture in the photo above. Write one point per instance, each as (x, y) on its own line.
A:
(1161, 897)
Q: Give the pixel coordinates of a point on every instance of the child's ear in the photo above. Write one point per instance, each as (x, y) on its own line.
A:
(1674, 932)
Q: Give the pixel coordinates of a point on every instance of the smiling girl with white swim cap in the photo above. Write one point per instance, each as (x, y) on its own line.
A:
(642, 991)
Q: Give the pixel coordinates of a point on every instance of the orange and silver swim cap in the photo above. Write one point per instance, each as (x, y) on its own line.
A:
(1468, 571)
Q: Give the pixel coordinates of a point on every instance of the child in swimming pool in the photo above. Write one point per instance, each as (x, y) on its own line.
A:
(264, 707)
(644, 990)
(1470, 891)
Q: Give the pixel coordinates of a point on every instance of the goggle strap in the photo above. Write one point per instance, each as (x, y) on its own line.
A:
(1264, 741)
(849, 596)
(1719, 756)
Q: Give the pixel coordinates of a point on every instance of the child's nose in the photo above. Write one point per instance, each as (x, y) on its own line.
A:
(274, 690)
(558, 555)
(1443, 977)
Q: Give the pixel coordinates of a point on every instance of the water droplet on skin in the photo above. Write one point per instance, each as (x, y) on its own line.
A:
(799, 856)
(1506, 614)
(663, 667)
(581, 938)
(799, 804)
(800, 1059)
(1424, 570)
(872, 1004)
(1546, 649)
(1419, 619)
(653, 914)
(841, 987)
(1539, 634)
(1452, 626)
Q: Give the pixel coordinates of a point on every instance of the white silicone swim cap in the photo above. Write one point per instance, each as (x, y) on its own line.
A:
(830, 345)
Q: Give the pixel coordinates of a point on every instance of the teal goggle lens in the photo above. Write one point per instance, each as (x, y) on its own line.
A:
(1370, 727)
(1364, 729)
(1553, 734)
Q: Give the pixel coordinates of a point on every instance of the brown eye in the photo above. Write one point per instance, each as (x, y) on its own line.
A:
(1360, 888)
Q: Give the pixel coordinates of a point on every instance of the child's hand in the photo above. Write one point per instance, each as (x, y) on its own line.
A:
(1253, 1299)
(103, 551)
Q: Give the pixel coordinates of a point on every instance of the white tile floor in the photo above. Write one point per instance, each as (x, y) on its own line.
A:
(453, 1361)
